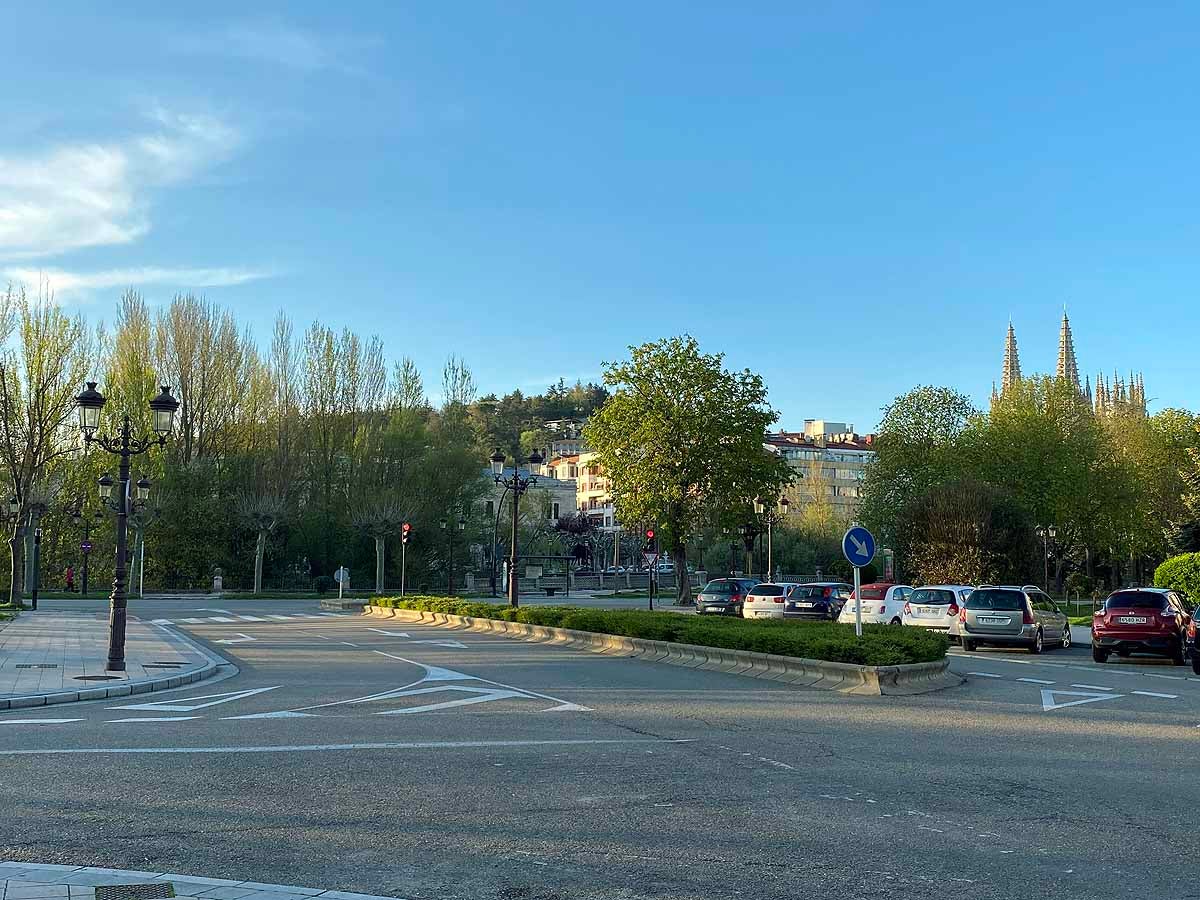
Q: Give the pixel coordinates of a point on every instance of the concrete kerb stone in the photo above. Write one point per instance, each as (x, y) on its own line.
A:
(831, 676)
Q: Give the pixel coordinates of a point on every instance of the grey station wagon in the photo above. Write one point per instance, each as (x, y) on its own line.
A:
(1018, 616)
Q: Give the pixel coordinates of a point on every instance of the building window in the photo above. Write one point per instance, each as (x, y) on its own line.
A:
(554, 511)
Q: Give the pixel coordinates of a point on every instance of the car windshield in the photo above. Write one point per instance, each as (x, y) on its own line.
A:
(996, 599)
(932, 596)
(721, 587)
(768, 590)
(1136, 599)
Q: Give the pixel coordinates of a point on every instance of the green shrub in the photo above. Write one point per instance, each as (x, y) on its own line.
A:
(1180, 573)
(881, 645)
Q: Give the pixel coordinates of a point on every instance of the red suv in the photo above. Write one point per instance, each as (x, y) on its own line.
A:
(1142, 620)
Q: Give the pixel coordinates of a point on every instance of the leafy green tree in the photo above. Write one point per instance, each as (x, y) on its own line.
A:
(680, 434)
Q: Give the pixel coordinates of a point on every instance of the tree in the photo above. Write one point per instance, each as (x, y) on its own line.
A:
(379, 517)
(262, 511)
(679, 434)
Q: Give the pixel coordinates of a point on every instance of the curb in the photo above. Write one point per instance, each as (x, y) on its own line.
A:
(144, 686)
(186, 885)
(336, 605)
(846, 678)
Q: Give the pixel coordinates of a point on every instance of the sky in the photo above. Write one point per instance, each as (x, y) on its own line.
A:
(850, 198)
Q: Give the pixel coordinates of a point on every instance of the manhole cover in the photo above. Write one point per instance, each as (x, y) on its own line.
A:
(152, 891)
(35, 666)
(97, 677)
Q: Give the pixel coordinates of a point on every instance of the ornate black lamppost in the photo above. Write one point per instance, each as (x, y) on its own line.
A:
(518, 485)
(462, 526)
(771, 518)
(85, 546)
(124, 445)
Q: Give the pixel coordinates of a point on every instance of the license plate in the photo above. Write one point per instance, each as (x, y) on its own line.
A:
(1132, 620)
(993, 620)
(804, 605)
(929, 612)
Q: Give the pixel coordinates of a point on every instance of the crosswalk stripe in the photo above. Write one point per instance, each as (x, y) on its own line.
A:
(251, 619)
(221, 619)
(280, 618)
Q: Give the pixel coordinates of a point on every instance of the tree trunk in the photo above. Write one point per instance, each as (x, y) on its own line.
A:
(380, 550)
(260, 549)
(16, 546)
(683, 584)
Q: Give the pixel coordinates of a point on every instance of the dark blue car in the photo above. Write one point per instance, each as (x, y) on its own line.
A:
(724, 596)
(820, 600)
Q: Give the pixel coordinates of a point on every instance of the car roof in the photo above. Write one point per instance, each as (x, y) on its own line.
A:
(948, 587)
(1151, 590)
(777, 583)
(883, 584)
(822, 583)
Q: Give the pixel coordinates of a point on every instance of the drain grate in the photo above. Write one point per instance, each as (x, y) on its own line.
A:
(158, 890)
(97, 677)
(35, 666)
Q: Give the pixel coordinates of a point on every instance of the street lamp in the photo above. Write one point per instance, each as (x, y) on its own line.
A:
(518, 485)
(770, 518)
(1047, 535)
(124, 445)
(85, 546)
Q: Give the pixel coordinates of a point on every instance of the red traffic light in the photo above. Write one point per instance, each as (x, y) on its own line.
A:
(406, 528)
(649, 534)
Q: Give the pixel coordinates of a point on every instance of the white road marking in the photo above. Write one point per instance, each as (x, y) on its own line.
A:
(189, 704)
(281, 714)
(161, 622)
(280, 618)
(192, 621)
(242, 638)
(1035, 681)
(223, 619)
(482, 695)
(985, 675)
(1153, 694)
(1093, 687)
(1168, 677)
(1049, 702)
(224, 612)
(151, 719)
(389, 633)
(37, 721)
(252, 618)
(338, 748)
(457, 645)
(348, 644)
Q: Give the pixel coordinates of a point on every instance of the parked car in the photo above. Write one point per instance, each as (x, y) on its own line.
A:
(1014, 616)
(614, 570)
(882, 603)
(767, 600)
(724, 596)
(818, 600)
(1192, 651)
(935, 606)
(1142, 620)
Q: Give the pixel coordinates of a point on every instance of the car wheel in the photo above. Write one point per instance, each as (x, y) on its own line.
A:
(968, 645)
(1098, 655)
(1066, 637)
(1178, 655)
(1038, 642)
(896, 621)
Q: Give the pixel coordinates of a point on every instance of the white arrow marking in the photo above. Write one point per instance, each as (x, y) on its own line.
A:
(189, 704)
(281, 714)
(389, 633)
(152, 719)
(482, 695)
(459, 645)
(242, 638)
(860, 549)
(1049, 703)
(37, 721)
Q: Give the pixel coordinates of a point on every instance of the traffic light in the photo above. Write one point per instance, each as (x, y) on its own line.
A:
(404, 530)
(650, 544)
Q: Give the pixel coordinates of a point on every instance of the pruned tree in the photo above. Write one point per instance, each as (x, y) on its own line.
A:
(379, 517)
(263, 512)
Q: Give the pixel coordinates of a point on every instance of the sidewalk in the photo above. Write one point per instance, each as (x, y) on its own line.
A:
(59, 657)
(34, 881)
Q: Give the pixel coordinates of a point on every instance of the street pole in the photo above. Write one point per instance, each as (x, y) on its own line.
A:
(37, 547)
(117, 602)
(770, 551)
(87, 551)
(403, 563)
(513, 586)
(857, 601)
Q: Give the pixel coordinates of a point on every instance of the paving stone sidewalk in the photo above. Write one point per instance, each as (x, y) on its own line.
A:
(36, 881)
(60, 657)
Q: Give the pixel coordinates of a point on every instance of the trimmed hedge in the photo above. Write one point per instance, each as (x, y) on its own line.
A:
(1180, 573)
(881, 645)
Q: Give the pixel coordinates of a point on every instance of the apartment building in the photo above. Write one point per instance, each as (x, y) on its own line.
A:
(830, 461)
(593, 496)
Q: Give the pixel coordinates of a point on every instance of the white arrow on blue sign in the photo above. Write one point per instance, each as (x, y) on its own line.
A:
(858, 545)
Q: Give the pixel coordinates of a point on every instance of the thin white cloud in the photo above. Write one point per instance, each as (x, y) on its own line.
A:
(98, 194)
(280, 44)
(64, 283)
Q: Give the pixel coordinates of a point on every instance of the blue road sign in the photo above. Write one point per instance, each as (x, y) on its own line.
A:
(858, 545)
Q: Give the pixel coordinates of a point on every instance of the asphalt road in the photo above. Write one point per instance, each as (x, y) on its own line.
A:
(426, 763)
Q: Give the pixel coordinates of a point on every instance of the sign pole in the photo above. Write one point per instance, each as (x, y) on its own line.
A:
(857, 601)
(403, 561)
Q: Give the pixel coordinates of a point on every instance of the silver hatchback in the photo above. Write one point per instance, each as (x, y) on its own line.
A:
(1014, 616)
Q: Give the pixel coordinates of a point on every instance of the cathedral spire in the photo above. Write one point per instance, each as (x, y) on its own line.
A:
(1067, 367)
(1011, 376)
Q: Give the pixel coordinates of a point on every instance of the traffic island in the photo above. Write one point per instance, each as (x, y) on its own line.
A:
(913, 677)
(50, 658)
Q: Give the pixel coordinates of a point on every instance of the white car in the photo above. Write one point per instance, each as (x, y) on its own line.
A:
(936, 607)
(882, 604)
(768, 600)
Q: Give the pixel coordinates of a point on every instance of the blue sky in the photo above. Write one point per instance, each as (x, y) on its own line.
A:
(848, 197)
